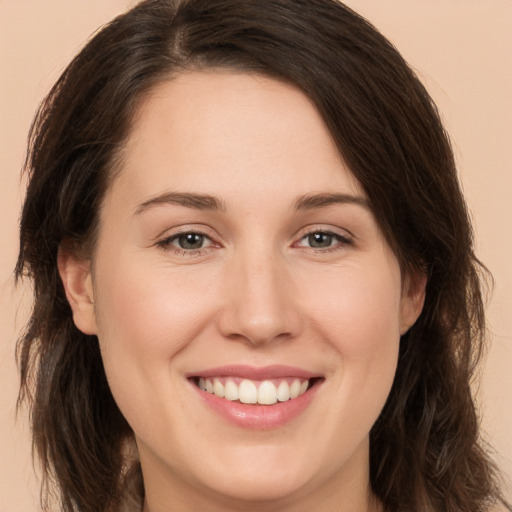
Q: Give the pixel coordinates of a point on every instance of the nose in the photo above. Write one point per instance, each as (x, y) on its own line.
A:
(259, 302)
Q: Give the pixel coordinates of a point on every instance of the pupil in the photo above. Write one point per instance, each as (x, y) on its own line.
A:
(320, 240)
(191, 241)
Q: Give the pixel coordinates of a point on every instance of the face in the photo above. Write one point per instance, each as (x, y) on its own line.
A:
(238, 261)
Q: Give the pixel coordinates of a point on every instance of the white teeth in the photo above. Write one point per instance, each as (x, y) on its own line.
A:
(267, 393)
(295, 389)
(283, 391)
(248, 392)
(231, 390)
(218, 388)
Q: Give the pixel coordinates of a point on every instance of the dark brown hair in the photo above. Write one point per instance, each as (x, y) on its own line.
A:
(426, 455)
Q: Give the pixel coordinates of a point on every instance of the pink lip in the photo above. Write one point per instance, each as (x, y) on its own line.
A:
(253, 373)
(257, 417)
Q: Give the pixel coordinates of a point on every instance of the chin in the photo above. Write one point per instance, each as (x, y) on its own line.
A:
(253, 487)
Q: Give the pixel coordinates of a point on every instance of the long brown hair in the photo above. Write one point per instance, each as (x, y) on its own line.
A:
(426, 454)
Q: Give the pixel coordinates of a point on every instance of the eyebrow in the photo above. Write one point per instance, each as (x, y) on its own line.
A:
(212, 203)
(189, 200)
(312, 201)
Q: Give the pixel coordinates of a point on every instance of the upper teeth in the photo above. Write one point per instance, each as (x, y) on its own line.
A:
(252, 392)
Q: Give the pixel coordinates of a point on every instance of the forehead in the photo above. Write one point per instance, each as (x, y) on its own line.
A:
(207, 129)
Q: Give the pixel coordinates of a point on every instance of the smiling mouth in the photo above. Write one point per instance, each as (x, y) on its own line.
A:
(256, 392)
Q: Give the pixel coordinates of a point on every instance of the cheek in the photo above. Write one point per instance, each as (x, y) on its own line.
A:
(359, 308)
(145, 318)
(359, 318)
(150, 309)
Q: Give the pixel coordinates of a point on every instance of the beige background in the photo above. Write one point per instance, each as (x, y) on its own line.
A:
(462, 49)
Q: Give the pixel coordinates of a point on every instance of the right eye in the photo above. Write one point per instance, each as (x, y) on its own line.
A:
(186, 242)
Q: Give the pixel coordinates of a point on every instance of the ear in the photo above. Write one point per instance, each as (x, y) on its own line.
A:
(413, 298)
(75, 274)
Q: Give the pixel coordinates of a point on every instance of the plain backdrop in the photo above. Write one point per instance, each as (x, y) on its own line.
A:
(461, 49)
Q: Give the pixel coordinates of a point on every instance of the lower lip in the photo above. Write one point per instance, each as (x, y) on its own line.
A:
(258, 417)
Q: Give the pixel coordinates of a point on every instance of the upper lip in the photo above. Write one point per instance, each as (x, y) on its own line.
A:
(255, 373)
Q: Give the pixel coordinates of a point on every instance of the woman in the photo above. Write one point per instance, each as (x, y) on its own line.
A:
(255, 287)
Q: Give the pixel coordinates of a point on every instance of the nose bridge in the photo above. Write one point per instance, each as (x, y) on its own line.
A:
(259, 306)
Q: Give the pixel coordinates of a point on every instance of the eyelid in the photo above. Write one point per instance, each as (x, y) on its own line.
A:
(200, 229)
(322, 228)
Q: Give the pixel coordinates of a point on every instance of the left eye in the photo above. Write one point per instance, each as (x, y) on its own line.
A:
(188, 241)
(321, 240)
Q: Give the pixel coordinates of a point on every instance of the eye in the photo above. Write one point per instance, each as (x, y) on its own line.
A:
(323, 240)
(320, 240)
(188, 241)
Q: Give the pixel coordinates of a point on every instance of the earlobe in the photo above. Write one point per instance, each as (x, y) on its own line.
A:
(413, 298)
(76, 277)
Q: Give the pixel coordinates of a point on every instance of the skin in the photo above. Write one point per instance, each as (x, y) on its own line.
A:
(255, 293)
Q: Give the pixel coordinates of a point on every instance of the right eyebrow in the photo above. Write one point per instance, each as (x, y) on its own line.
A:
(187, 199)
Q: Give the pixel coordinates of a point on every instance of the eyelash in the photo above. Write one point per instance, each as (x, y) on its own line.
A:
(166, 243)
(342, 241)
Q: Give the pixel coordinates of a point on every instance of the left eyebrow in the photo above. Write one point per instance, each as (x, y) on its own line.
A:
(311, 201)
(186, 199)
